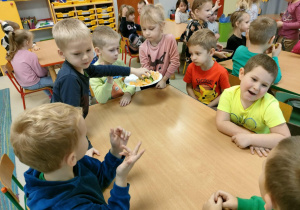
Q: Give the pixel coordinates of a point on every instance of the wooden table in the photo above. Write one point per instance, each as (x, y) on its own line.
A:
(289, 69)
(48, 56)
(186, 158)
(174, 28)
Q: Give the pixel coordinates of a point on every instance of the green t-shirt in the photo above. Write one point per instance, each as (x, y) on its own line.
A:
(254, 203)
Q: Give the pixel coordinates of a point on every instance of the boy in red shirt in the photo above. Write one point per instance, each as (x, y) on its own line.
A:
(205, 78)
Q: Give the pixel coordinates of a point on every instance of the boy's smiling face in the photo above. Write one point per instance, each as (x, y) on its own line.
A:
(203, 12)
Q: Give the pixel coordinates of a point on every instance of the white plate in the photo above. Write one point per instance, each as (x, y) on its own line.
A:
(133, 78)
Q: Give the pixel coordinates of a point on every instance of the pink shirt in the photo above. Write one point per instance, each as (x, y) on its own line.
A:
(27, 68)
(163, 58)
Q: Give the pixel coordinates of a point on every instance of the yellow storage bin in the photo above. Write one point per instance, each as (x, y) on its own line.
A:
(81, 2)
(83, 18)
(112, 25)
(91, 23)
(93, 27)
(110, 20)
(68, 14)
(62, 4)
(85, 12)
(106, 15)
(104, 10)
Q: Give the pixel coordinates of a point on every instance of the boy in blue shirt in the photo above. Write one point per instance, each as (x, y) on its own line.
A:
(262, 33)
(51, 139)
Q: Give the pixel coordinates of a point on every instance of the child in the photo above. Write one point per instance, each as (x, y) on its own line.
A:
(140, 6)
(51, 140)
(159, 51)
(205, 79)
(181, 14)
(74, 41)
(289, 26)
(278, 182)
(29, 73)
(251, 7)
(213, 25)
(249, 105)
(240, 21)
(106, 42)
(129, 29)
(261, 36)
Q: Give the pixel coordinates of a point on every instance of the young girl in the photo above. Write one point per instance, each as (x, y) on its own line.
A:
(240, 21)
(181, 14)
(159, 51)
(129, 29)
(28, 71)
(251, 7)
(289, 25)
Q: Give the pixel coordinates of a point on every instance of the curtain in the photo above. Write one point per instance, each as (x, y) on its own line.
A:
(273, 7)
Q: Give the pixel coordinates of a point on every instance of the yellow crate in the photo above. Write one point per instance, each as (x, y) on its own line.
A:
(112, 25)
(83, 18)
(91, 23)
(85, 12)
(110, 20)
(104, 10)
(81, 2)
(68, 14)
(106, 15)
(62, 4)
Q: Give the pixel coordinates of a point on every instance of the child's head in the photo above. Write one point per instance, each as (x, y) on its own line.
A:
(152, 21)
(45, 137)
(129, 14)
(141, 4)
(19, 39)
(262, 31)
(202, 9)
(202, 46)
(279, 181)
(182, 5)
(106, 43)
(256, 77)
(74, 41)
(14, 25)
(240, 20)
(213, 16)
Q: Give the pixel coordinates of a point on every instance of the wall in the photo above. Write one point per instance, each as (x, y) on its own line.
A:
(229, 6)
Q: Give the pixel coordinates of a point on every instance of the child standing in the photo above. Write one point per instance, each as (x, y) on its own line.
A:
(51, 140)
(140, 6)
(278, 182)
(250, 106)
(106, 43)
(251, 7)
(213, 25)
(289, 26)
(181, 14)
(240, 21)
(205, 79)
(159, 51)
(27, 69)
(261, 36)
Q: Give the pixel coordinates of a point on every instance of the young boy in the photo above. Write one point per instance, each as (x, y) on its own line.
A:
(205, 79)
(250, 106)
(74, 41)
(278, 182)
(51, 139)
(213, 25)
(262, 33)
(106, 43)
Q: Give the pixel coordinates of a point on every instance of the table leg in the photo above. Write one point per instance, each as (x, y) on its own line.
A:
(52, 73)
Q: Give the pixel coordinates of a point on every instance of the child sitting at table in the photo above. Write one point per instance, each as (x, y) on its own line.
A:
(51, 140)
(140, 6)
(106, 43)
(213, 25)
(27, 69)
(159, 51)
(278, 182)
(261, 36)
(250, 106)
(182, 14)
(205, 78)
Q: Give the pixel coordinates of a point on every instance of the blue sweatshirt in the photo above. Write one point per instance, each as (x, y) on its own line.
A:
(72, 87)
(84, 191)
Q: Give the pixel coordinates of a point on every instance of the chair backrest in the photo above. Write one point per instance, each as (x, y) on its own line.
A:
(233, 80)
(123, 45)
(9, 72)
(286, 110)
(126, 40)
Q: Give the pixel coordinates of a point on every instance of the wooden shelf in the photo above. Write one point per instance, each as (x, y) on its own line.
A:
(79, 5)
(39, 29)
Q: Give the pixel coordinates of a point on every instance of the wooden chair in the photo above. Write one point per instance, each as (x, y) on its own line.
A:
(6, 176)
(233, 80)
(20, 89)
(125, 50)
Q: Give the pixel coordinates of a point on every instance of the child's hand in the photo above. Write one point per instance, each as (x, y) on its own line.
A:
(118, 138)
(229, 201)
(217, 37)
(124, 11)
(110, 80)
(219, 46)
(130, 158)
(139, 72)
(36, 48)
(217, 6)
(261, 151)
(276, 49)
(279, 24)
(91, 152)
(220, 54)
(161, 84)
(211, 204)
(125, 100)
(241, 140)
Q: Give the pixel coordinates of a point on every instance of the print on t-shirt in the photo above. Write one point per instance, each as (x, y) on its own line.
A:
(204, 92)
(248, 123)
(154, 64)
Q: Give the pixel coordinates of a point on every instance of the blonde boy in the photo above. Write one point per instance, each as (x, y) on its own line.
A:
(205, 79)
(51, 139)
(279, 182)
(250, 115)
(106, 43)
(262, 33)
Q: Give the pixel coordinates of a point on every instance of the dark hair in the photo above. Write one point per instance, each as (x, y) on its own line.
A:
(142, 2)
(262, 30)
(263, 60)
(183, 1)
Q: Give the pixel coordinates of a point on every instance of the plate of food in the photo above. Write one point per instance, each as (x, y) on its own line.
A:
(146, 80)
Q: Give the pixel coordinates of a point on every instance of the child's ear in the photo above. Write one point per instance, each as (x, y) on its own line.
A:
(212, 51)
(97, 50)
(269, 203)
(242, 73)
(271, 40)
(71, 159)
(61, 54)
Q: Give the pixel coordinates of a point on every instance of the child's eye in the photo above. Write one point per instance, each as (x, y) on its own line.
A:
(88, 50)
(264, 85)
(254, 79)
(76, 54)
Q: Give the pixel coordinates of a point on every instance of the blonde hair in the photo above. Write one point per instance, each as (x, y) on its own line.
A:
(69, 30)
(204, 38)
(16, 41)
(102, 36)
(262, 30)
(43, 136)
(237, 16)
(246, 4)
(282, 174)
(152, 14)
(197, 4)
